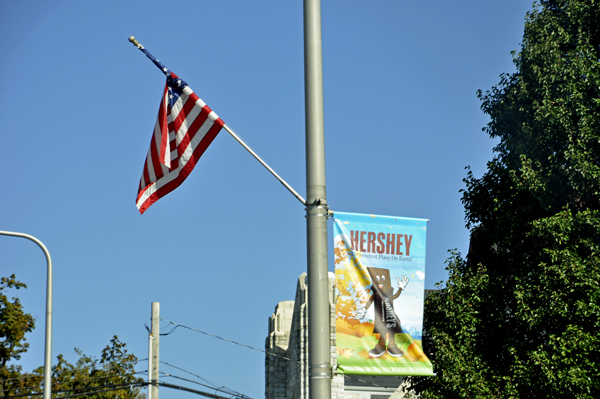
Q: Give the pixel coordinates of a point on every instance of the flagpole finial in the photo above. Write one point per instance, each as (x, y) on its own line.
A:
(135, 42)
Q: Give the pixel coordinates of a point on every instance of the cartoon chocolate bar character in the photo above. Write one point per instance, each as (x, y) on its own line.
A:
(386, 323)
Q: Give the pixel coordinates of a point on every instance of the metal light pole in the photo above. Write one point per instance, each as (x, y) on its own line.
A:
(316, 208)
(150, 339)
(48, 351)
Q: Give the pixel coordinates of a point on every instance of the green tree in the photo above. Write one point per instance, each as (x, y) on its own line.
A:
(111, 376)
(520, 317)
(107, 376)
(14, 324)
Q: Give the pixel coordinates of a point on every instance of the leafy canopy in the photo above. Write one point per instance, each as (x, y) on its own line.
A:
(110, 376)
(520, 316)
(14, 324)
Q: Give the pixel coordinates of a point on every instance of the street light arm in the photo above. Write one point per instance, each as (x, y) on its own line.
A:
(48, 350)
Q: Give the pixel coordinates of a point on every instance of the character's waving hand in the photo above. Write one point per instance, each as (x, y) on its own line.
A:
(402, 283)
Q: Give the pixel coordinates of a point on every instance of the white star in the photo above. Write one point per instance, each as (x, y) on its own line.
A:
(178, 82)
(165, 69)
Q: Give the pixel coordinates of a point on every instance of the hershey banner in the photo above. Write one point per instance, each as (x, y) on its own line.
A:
(380, 281)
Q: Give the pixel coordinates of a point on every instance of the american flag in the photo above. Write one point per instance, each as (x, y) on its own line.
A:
(184, 129)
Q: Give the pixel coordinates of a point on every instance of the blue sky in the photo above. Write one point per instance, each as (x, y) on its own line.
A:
(79, 104)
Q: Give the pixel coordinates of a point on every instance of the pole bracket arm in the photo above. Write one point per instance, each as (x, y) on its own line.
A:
(322, 205)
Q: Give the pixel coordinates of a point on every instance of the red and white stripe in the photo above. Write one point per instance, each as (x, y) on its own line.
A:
(181, 135)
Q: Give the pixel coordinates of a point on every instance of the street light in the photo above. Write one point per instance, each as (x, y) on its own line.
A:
(48, 351)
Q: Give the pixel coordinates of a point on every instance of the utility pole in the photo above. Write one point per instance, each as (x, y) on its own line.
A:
(155, 346)
(317, 210)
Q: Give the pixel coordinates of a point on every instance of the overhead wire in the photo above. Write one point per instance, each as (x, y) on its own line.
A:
(189, 372)
(116, 387)
(20, 378)
(72, 381)
(106, 377)
(214, 396)
(89, 393)
(170, 331)
(28, 386)
(223, 389)
(202, 378)
(213, 385)
(233, 342)
(113, 386)
(261, 350)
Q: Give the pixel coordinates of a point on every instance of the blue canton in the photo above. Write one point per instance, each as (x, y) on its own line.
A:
(176, 86)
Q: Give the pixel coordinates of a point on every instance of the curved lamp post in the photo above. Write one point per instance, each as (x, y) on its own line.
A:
(48, 352)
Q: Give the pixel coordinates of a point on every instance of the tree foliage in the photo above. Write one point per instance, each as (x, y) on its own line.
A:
(520, 317)
(14, 324)
(109, 377)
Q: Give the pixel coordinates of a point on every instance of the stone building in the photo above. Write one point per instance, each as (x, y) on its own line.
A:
(286, 372)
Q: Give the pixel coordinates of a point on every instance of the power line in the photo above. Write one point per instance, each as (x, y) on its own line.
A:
(189, 372)
(71, 381)
(116, 387)
(233, 342)
(209, 395)
(41, 376)
(90, 393)
(212, 384)
(23, 378)
(204, 379)
(105, 377)
(170, 331)
(217, 389)
(261, 350)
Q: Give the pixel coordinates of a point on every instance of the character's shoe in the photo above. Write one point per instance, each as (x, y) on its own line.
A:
(377, 351)
(395, 351)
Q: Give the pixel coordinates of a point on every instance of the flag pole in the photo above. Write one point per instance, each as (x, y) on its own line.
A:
(286, 185)
(227, 128)
(317, 211)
